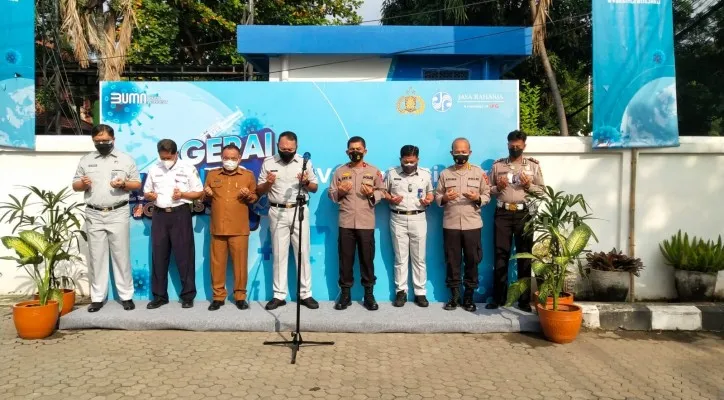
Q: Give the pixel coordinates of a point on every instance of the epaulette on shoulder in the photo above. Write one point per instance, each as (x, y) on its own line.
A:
(425, 169)
(391, 169)
(500, 160)
(533, 160)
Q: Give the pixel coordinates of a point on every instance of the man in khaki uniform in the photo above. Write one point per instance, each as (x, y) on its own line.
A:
(513, 177)
(357, 187)
(462, 189)
(232, 190)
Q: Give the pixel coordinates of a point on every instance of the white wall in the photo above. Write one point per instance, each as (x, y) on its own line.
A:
(299, 68)
(677, 188)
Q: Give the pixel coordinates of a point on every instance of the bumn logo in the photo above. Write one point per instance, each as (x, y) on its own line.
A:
(135, 98)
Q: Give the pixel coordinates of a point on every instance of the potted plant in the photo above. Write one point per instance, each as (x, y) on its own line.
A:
(696, 265)
(610, 274)
(36, 319)
(59, 221)
(556, 252)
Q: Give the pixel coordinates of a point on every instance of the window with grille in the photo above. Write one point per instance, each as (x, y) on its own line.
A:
(445, 74)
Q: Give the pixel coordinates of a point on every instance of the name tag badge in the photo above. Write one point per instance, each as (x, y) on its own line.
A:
(510, 177)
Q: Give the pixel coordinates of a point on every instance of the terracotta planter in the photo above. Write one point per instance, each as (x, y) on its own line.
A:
(33, 321)
(611, 286)
(695, 286)
(68, 301)
(565, 298)
(560, 326)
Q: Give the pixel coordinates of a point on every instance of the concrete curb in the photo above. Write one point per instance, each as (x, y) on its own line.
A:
(653, 316)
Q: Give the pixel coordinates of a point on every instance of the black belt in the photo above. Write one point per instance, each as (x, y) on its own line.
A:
(408, 212)
(171, 209)
(106, 209)
(292, 205)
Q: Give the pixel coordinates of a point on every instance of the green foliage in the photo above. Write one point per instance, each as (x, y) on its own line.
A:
(54, 218)
(694, 255)
(614, 260)
(530, 113)
(156, 33)
(554, 249)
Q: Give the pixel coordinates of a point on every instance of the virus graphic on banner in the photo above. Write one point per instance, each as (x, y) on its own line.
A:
(124, 103)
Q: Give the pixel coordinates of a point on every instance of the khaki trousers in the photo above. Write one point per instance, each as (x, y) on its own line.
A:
(220, 248)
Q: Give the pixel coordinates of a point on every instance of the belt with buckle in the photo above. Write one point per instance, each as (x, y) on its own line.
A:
(292, 205)
(511, 206)
(106, 209)
(171, 209)
(408, 212)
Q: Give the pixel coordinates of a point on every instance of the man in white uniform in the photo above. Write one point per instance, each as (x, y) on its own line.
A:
(279, 179)
(409, 192)
(106, 176)
(172, 185)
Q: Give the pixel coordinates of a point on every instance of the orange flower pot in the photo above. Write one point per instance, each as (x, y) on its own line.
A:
(565, 298)
(33, 321)
(68, 301)
(560, 326)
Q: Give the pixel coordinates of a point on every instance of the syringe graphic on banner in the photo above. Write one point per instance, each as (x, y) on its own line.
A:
(215, 129)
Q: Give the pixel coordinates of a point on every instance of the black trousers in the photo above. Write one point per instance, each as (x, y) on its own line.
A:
(462, 245)
(364, 241)
(509, 225)
(173, 231)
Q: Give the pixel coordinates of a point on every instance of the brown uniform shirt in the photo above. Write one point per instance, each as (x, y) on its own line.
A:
(356, 211)
(462, 213)
(229, 214)
(514, 192)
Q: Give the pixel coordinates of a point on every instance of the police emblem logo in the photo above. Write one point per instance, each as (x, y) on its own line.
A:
(410, 103)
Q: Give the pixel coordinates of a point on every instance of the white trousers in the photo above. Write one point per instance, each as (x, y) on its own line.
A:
(109, 230)
(280, 222)
(408, 240)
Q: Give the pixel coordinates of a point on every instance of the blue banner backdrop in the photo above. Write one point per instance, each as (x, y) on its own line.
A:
(203, 116)
(634, 78)
(17, 73)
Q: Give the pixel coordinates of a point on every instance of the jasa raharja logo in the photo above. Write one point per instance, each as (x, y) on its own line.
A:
(118, 98)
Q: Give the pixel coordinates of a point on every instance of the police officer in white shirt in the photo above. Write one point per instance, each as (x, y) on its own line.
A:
(409, 192)
(279, 179)
(172, 185)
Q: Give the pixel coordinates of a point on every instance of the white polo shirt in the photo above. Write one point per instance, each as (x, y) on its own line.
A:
(285, 187)
(162, 181)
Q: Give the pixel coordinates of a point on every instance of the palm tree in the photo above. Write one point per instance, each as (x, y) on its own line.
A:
(101, 29)
(539, 12)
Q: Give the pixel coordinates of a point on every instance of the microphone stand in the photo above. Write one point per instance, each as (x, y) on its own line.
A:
(297, 340)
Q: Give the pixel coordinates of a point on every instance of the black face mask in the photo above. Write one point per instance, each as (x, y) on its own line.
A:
(460, 159)
(287, 156)
(515, 153)
(408, 169)
(104, 148)
(355, 156)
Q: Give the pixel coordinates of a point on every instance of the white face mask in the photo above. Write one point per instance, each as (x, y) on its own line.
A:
(230, 165)
(169, 163)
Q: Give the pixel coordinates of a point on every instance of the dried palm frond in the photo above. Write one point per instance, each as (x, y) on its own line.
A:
(540, 19)
(74, 28)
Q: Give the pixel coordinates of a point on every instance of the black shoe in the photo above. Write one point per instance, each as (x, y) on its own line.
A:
(242, 305)
(421, 301)
(215, 305)
(156, 304)
(274, 303)
(310, 303)
(128, 305)
(492, 306)
(525, 307)
(93, 307)
(401, 299)
(187, 304)
(468, 303)
(454, 301)
(344, 301)
(369, 300)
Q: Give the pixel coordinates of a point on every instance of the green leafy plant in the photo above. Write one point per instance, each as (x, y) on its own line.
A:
(695, 255)
(554, 249)
(530, 108)
(32, 249)
(54, 217)
(615, 261)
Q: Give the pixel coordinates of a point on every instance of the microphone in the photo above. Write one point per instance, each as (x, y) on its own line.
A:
(306, 158)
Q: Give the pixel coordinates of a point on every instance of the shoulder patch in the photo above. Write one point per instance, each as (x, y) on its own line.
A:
(500, 160)
(533, 160)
